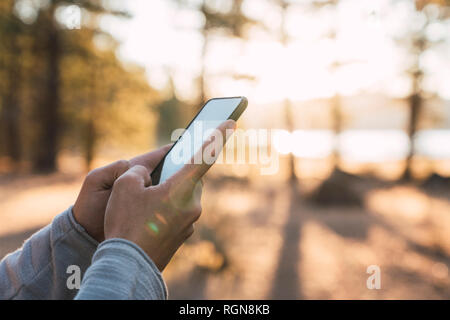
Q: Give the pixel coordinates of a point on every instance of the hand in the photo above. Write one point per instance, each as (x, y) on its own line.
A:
(159, 218)
(89, 209)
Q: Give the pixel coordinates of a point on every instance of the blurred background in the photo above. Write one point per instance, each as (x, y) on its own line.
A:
(358, 91)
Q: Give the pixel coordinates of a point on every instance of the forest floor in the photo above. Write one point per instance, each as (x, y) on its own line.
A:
(257, 240)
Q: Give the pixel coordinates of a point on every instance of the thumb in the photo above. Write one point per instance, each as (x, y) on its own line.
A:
(103, 178)
(136, 175)
(150, 160)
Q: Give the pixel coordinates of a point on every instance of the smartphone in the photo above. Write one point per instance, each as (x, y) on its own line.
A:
(211, 115)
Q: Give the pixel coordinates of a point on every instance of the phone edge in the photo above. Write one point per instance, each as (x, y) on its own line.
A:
(234, 116)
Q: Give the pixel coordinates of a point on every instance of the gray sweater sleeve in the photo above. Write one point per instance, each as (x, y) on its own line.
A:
(43, 266)
(38, 270)
(121, 270)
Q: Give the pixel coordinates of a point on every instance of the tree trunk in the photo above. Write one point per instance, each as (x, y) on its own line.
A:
(337, 128)
(11, 106)
(415, 104)
(89, 144)
(48, 111)
(284, 38)
(90, 135)
(202, 78)
(290, 127)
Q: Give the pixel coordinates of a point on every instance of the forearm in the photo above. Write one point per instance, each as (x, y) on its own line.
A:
(38, 269)
(121, 270)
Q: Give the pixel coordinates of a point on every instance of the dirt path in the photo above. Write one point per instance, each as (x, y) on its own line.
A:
(27, 203)
(283, 248)
(275, 244)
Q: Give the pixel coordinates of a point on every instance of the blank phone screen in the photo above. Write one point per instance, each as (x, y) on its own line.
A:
(214, 113)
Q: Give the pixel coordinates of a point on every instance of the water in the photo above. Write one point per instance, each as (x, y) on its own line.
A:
(364, 145)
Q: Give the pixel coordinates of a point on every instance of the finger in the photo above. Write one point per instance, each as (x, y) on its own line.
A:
(104, 177)
(190, 202)
(151, 159)
(197, 195)
(191, 173)
(135, 175)
(194, 199)
(189, 232)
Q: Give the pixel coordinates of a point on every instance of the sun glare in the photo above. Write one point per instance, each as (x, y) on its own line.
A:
(362, 57)
(363, 48)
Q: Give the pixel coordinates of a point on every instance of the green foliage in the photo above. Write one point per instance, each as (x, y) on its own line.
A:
(173, 114)
(105, 101)
(62, 91)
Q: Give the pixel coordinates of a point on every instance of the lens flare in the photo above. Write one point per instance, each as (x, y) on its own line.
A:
(153, 227)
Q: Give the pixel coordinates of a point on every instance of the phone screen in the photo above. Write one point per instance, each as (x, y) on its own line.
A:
(213, 113)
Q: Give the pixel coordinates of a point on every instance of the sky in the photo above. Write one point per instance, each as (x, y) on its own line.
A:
(164, 37)
(369, 45)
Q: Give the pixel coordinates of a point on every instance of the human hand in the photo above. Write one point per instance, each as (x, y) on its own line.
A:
(89, 209)
(159, 218)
